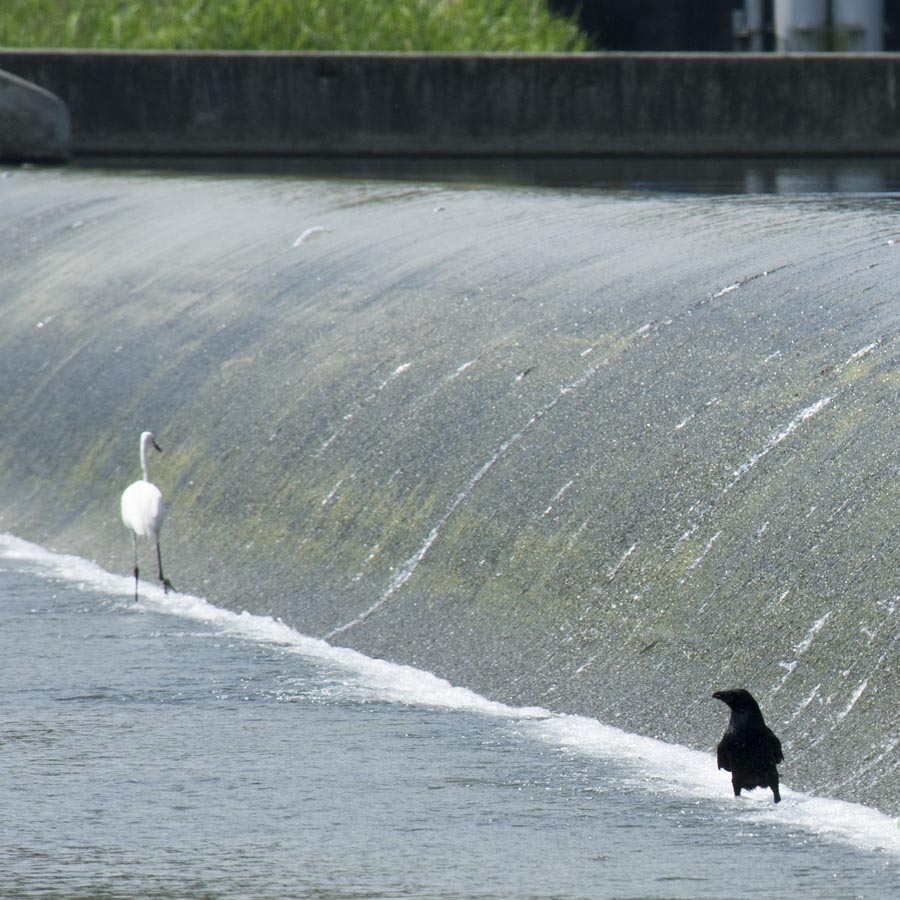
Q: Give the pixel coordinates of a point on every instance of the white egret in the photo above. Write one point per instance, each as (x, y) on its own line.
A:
(143, 511)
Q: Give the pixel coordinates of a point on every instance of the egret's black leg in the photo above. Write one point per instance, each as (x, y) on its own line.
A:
(165, 581)
(136, 570)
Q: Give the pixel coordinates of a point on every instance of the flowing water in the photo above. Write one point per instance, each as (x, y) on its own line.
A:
(171, 749)
(603, 451)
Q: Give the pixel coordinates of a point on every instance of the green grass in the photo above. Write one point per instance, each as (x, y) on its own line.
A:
(302, 25)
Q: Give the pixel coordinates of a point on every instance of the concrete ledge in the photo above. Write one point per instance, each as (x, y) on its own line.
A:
(508, 104)
(34, 124)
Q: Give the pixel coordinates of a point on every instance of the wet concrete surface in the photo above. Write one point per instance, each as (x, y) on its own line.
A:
(605, 451)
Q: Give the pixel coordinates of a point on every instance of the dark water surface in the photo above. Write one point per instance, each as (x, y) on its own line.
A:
(171, 749)
(688, 175)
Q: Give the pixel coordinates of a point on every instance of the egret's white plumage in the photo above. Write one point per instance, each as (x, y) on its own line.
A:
(143, 511)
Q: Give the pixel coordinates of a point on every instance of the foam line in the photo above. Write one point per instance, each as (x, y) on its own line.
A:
(389, 681)
(658, 766)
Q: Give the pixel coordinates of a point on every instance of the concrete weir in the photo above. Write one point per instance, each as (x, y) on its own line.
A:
(602, 452)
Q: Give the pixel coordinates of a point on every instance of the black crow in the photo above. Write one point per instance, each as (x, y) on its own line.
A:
(748, 749)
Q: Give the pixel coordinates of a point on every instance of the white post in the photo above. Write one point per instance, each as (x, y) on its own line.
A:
(801, 26)
(858, 25)
(753, 18)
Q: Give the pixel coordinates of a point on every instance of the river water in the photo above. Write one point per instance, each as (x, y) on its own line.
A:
(171, 749)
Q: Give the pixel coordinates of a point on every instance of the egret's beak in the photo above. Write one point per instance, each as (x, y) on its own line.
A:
(157, 445)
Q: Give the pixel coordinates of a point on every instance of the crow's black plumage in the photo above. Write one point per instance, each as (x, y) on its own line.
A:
(748, 749)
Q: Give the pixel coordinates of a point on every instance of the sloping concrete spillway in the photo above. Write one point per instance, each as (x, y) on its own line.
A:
(600, 452)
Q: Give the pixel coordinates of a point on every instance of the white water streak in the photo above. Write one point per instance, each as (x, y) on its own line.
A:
(409, 567)
(800, 649)
(330, 441)
(332, 492)
(348, 417)
(553, 502)
(803, 416)
(400, 370)
(862, 352)
(310, 233)
(407, 570)
(463, 368)
(703, 553)
(686, 536)
(853, 698)
(614, 570)
(817, 626)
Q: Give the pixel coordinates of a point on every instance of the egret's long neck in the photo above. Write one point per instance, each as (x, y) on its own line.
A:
(145, 466)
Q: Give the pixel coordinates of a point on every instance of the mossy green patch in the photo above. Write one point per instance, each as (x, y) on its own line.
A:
(376, 25)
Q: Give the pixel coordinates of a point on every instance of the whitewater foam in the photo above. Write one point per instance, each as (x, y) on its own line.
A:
(658, 766)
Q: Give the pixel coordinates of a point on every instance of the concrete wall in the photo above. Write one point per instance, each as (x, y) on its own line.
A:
(288, 104)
